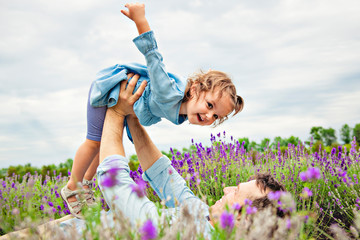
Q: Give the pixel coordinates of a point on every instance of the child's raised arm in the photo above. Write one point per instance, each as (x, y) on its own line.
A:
(136, 12)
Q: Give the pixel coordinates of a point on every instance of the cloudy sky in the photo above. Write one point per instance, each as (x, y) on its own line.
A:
(295, 62)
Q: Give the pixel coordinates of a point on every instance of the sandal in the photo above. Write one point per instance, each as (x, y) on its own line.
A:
(76, 206)
(89, 193)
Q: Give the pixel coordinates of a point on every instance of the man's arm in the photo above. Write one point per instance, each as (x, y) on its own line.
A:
(112, 135)
(111, 142)
(136, 13)
(146, 150)
(163, 178)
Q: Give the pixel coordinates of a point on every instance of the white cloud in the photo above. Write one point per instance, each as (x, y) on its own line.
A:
(295, 63)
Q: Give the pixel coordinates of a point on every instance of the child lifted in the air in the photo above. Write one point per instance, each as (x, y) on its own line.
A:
(204, 99)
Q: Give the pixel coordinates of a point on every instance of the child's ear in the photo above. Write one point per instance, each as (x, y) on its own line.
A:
(193, 90)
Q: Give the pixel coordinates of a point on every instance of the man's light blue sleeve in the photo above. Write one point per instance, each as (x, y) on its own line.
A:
(172, 188)
(168, 183)
(121, 195)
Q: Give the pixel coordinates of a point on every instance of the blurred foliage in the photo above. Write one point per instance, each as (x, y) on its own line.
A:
(345, 134)
(356, 133)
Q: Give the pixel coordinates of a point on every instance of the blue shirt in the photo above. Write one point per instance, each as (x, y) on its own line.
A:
(163, 94)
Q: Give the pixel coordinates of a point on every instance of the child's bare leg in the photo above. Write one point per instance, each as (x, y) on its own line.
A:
(90, 173)
(83, 158)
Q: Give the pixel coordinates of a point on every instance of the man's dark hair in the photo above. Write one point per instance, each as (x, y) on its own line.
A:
(266, 181)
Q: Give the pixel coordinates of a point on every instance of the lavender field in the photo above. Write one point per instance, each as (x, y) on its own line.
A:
(323, 200)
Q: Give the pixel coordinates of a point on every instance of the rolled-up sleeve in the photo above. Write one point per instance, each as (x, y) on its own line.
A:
(169, 185)
(121, 195)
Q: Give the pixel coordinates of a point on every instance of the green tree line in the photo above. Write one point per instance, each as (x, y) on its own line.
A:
(46, 170)
(327, 137)
(319, 137)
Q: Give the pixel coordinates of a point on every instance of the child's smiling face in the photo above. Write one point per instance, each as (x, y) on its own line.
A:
(207, 107)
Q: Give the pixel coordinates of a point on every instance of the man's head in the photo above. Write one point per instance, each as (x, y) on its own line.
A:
(255, 190)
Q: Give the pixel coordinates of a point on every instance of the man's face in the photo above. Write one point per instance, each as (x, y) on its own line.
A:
(236, 194)
(207, 107)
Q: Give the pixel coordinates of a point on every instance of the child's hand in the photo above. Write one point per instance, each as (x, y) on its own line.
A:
(136, 12)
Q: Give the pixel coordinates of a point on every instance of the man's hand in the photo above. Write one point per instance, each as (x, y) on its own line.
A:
(127, 99)
(136, 12)
(112, 135)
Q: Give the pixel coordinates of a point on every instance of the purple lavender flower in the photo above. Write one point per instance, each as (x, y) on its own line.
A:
(42, 207)
(341, 174)
(314, 173)
(227, 221)
(198, 181)
(306, 219)
(109, 179)
(333, 151)
(148, 231)
(248, 202)
(288, 223)
(109, 182)
(139, 188)
(251, 210)
(303, 176)
(307, 192)
(274, 195)
(311, 174)
(50, 204)
(236, 206)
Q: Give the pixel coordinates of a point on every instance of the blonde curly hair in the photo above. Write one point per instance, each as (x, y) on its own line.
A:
(209, 81)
